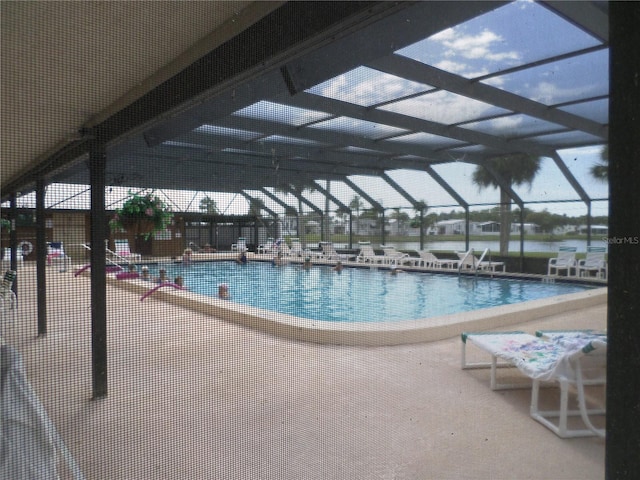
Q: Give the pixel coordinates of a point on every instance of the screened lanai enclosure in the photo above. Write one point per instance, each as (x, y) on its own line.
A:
(368, 140)
(446, 127)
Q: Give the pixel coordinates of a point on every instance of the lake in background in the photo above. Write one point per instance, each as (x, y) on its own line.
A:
(494, 246)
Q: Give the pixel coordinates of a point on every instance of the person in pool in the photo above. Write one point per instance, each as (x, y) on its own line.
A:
(162, 278)
(242, 258)
(339, 267)
(278, 260)
(186, 256)
(307, 263)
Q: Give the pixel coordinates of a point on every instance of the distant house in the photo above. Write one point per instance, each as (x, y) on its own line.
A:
(489, 227)
(450, 227)
(564, 229)
(595, 229)
(455, 227)
(529, 228)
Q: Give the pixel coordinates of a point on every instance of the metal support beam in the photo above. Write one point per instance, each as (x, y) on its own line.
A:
(263, 206)
(399, 189)
(448, 188)
(364, 195)
(41, 257)
(13, 238)
(622, 461)
(331, 197)
(570, 178)
(303, 200)
(417, 71)
(97, 164)
(276, 199)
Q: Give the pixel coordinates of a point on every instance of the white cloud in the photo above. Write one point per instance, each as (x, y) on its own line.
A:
(480, 46)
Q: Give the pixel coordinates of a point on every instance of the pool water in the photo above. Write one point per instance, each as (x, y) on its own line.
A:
(358, 294)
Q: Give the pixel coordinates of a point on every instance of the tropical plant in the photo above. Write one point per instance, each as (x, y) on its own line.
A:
(401, 218)
(255, 207)
(142, 208)
(356, 204)
(5, 224)
(297, 188)
(600, 171)
(208, 205)
(516, 169)
(420, 220)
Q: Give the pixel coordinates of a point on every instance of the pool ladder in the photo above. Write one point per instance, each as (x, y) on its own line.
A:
(476, 266)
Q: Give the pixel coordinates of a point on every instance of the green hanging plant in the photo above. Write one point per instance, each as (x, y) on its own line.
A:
(142, 215)
(4, 223)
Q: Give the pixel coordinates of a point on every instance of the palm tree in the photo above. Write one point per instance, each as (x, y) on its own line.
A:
(356, 204)
(401, 218)
(419, 220)
(600, 171)
(208, 205)
(255, 207)
(298, 188)
(516, 169)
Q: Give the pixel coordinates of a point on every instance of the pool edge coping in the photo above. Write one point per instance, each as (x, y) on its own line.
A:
(365, 333)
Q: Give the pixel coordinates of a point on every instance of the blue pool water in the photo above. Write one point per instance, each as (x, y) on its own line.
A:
(358, 294)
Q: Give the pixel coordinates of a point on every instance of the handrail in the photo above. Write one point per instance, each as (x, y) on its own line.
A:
(483, 255)
(107, 259)
(461, 263)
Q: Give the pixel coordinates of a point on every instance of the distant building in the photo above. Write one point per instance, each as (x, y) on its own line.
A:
(456, 227)
(595, 229)
(529, 228)
(488, 227)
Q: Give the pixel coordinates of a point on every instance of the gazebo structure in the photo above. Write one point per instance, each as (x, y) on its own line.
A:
(261, 99)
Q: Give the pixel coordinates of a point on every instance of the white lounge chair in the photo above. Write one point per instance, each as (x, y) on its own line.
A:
(429, 260)
(593, 263)
(297, 250)
(368, 255)
(329, 252)
(468, 261)
(268, 247)
(392, 256)
(123, 251)
(240, 246)
(566, 260)
(575, 359)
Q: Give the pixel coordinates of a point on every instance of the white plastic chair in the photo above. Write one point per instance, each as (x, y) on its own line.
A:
(594, 262)
(8, 300)
(566, 260)
(368, 255)
(124, 251)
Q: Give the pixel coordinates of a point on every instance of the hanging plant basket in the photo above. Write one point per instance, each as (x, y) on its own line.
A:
(138, 226)
(141, 215)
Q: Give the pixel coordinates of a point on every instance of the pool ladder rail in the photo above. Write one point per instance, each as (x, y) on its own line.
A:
(476, 263)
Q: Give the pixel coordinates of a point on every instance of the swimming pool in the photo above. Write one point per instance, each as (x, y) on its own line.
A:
(359, 294)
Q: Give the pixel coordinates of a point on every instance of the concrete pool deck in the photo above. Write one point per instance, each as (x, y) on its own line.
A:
(192, 396)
